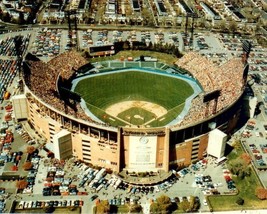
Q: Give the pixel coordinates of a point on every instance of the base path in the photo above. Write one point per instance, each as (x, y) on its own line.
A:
(117, 108)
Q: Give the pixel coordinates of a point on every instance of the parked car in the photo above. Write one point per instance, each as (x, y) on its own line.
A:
(93, 197)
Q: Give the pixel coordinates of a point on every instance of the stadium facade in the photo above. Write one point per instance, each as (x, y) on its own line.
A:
(139, 149)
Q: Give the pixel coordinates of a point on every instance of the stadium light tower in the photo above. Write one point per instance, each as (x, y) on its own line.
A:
(193, 16)
(186, 24)
(246, 51)
(70, 14)
(18, 44)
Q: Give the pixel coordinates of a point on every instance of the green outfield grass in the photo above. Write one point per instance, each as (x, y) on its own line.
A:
(102, 91)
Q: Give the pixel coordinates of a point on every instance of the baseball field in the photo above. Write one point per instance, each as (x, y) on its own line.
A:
(134, 97)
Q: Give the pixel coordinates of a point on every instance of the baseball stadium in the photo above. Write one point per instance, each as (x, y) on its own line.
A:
(135, 115)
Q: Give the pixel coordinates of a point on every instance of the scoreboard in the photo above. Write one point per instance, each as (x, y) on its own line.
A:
(101, 50)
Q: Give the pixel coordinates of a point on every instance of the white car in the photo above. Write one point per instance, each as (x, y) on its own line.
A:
(156, 188)
(21, 204)
(218, 184)
(205, 203)
(30, 204)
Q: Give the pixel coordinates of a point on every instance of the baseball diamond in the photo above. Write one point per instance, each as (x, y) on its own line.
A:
(135, 96)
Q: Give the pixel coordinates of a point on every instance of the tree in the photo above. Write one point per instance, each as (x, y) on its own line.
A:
(150, 46)
(21, 18)
(72, 208)
(85, 18)
(194, 203)
(6, 17)
(240, 201)
(135, 208)
(21, 184)
(30, 149)
(50, 155)
(14, 168)
(126, 45)
(246, 157)
(258, 26)
(27, 165)
(240, 168)
(49, 209)
(164, 204)
(233, 26)
(154, 208)
(261, 40)
(103, 207)
(236, 144)
(201, 22)
(177, 200)
(222, 25)
(261, 193)
(185, 205)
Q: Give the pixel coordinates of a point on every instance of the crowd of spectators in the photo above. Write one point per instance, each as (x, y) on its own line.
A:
(217, 58)
(66, 63)
(228, 78)
(42, 80)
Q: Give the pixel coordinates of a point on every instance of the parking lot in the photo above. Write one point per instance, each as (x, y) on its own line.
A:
(55, 181)
(253, 137)
(48, 180)
(34, 205)
(108, 186)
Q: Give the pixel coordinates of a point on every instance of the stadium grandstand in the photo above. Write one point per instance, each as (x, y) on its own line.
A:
(132, 148)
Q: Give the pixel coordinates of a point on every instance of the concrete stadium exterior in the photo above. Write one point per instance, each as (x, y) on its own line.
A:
(127, 148)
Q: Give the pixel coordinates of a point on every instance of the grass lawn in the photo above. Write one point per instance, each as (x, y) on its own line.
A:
(246, 189)
(99, 92)
(162, 57)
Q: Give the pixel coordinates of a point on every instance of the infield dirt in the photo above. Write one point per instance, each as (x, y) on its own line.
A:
(117, 108)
